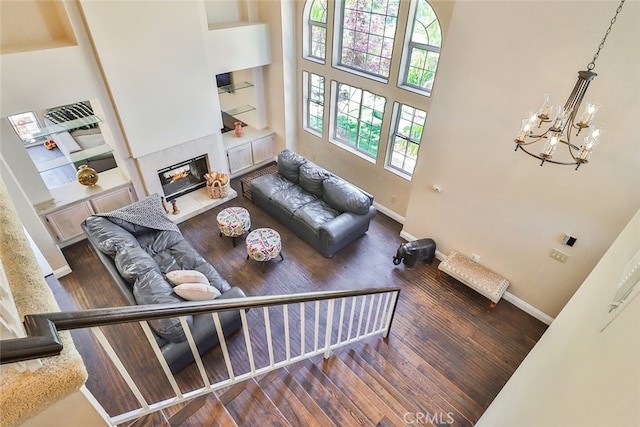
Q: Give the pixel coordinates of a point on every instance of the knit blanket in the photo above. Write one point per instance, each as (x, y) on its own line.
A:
(148, 212)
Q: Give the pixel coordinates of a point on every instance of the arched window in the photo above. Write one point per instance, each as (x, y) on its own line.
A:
(422, 50)
(315, 32)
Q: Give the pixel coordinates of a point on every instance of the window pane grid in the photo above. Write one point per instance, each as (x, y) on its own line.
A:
(422, 68)
(318, 41)
(317, 22)
(368, 31)
(406, 138)
(315, 102)
(423, 49)
(359, 118)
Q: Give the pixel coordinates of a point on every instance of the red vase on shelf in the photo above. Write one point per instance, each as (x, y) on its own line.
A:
(238, 131)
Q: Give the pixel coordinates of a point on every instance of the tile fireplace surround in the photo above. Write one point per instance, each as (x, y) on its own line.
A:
(198, 201)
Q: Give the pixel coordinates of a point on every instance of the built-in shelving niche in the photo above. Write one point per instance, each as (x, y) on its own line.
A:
(34, 25)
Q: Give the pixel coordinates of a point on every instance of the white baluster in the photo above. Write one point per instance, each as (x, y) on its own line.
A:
(341, 320)
(267, 326)
(390, 313)
(317, 326)
(120, 367)
(247, 339)
(352, 316)
(156, 350)
(327, 338)
(194, 350)
(375, 321)
(303, 350)
(223, 345)
(285, 313)
(372, 300)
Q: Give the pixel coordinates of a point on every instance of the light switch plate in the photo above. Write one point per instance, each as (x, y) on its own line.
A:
(558, 255)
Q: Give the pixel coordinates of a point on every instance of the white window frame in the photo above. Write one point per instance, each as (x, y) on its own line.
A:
(393, 132)
(408, 48)
(338, 28)
(307, 33)
(308, 99)
(333, 138)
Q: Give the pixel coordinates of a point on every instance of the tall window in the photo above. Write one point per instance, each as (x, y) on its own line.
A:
(366, 35)
(358, 118)
(314, 102)
(405, 138)
(316, 32)
(421, 54)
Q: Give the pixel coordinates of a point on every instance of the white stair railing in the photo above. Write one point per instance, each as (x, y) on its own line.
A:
(272, 324)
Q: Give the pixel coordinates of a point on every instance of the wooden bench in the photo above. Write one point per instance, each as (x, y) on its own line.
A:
(477, 277)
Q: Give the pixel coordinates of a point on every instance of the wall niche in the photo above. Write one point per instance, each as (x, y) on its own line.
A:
(29, 25)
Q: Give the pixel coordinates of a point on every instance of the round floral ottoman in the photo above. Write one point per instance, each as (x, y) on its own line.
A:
(264, 244)
(234, 222)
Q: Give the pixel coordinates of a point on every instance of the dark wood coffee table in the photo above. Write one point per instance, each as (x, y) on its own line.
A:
(245, 181)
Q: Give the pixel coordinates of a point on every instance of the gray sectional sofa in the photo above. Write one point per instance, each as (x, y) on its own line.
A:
(138, 245)
(322, 209)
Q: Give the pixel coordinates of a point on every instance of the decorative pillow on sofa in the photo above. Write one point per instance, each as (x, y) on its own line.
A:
(341, 195)
(289, 163)
(311, 177)
(196, 291)
(178, 277)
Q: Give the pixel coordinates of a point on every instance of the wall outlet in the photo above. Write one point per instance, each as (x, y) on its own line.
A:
(475, 257)
(558, 255)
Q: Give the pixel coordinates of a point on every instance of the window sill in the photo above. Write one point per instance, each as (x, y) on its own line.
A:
(399, 173)
(413, 89)
(312, 132)
(353, 151)
(360, 73)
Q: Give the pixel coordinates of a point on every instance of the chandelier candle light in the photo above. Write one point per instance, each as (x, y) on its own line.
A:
(563, 120)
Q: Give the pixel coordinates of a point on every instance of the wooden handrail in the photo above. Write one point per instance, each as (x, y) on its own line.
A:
(42, 338)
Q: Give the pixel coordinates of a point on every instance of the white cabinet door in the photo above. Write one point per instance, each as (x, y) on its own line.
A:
(113, 200)
(262, 149)
(65, 222)
(239, 158)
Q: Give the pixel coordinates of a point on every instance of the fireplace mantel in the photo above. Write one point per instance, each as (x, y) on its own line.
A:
(197, 202)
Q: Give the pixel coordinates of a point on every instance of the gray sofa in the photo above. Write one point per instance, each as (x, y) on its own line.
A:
(138, 257)
(322, 209)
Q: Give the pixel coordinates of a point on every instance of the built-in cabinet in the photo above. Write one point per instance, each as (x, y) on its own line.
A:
(64, 214)
(254, 149)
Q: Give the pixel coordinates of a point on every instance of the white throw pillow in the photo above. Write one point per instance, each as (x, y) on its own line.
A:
(178, 277)
(196, 291)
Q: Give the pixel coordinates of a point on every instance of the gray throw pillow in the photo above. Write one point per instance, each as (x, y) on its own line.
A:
(152, 288)
(344, 197)
(132, 262)
(311, 177)
(288, 164)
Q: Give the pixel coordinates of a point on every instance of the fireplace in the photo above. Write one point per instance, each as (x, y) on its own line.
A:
(184, 177)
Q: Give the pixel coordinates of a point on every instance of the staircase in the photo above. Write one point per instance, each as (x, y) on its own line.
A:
(368, 384)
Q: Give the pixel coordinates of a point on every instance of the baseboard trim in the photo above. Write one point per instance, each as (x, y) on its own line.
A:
(528, 308)
(388, 212)
(60, 272)
(522, 305)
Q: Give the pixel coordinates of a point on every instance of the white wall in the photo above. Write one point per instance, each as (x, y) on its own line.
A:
(577, 375)
(153, 57)
(498, 60)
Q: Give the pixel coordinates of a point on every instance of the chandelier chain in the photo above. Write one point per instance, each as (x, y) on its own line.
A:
(592, 64)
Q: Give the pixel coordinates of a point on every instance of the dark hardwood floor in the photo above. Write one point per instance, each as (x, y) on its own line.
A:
(445, 359)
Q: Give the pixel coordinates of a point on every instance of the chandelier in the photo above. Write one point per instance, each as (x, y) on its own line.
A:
(562, 121)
